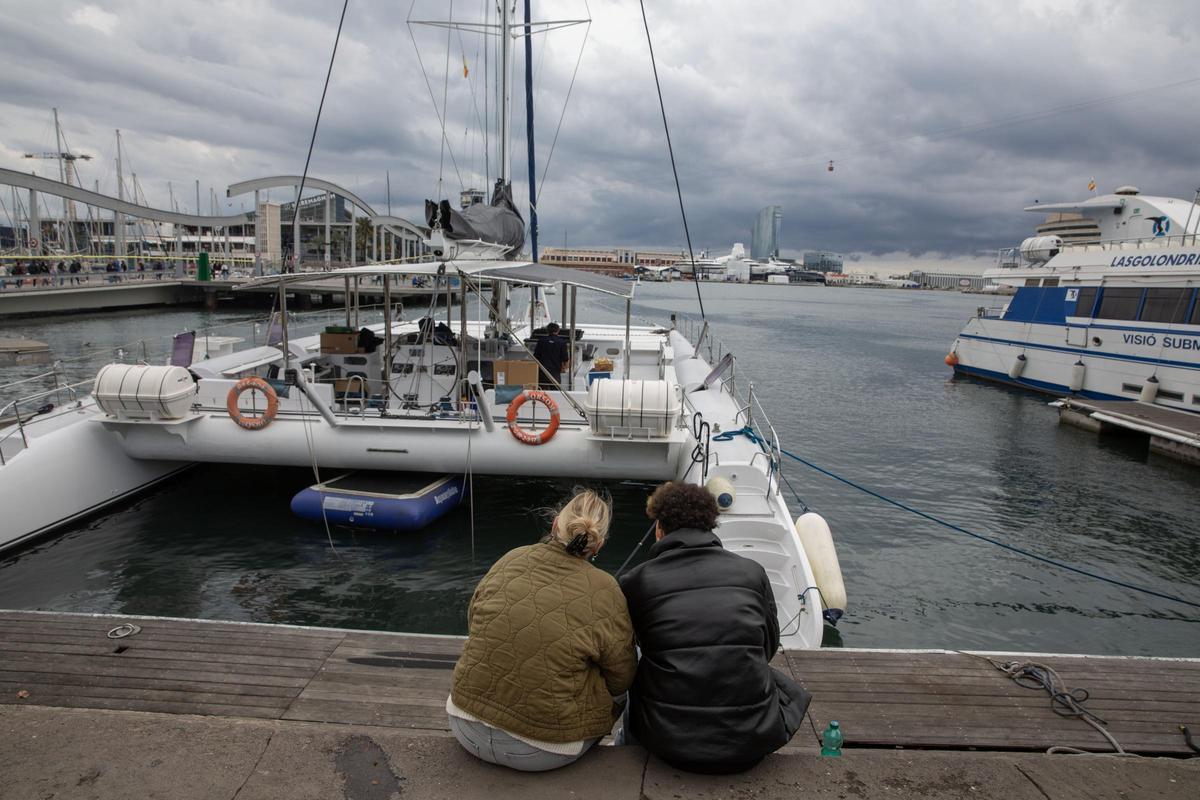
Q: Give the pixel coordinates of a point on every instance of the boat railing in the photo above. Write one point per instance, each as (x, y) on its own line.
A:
(11, 413)
(989, 312)
(755, 422)
(1011, 257)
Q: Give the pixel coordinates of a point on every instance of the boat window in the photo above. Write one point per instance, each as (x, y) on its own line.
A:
(1169, 395)
(1195, 320)
(1032, 281)
(1119, 303)
(1086, 301)
(1166, 305)
(1131, 388)
(1050, 282)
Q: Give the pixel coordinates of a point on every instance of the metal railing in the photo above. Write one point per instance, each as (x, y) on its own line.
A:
(1012, 258)
(750, 411)
(17, 424)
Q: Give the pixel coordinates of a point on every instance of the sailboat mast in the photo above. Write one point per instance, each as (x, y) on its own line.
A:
(533, 222)
(505, 90)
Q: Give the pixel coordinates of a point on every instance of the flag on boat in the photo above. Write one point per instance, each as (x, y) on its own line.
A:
(1092, 185)
(465, 70)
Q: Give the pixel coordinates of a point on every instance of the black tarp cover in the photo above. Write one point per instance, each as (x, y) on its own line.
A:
(498, 223)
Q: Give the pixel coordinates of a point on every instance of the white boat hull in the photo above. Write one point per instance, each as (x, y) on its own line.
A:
(71, 468)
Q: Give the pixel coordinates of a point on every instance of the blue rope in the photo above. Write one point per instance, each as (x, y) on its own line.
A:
(747, 431)
(989, 539)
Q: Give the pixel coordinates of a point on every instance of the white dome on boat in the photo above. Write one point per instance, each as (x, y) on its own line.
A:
(1131, 190)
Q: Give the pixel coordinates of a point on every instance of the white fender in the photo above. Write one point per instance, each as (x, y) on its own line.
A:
(1078, 373)
(723, 490)
(814, 534)
(1149, 390)
(1018, 366)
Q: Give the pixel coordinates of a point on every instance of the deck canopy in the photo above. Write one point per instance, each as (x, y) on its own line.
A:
(545, 275)
(518, 272)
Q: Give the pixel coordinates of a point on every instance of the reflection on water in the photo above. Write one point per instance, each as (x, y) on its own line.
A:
(853, 380)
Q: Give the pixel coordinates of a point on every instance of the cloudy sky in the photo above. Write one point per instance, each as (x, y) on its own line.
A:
(943, 119)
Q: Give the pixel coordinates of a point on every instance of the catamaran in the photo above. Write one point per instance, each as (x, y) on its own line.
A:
(452, 395)
(1105, 308)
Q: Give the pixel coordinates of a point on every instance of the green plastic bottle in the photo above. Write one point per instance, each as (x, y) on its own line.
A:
(831, 740)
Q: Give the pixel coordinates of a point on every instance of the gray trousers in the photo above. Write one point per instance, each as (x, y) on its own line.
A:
(498, 747)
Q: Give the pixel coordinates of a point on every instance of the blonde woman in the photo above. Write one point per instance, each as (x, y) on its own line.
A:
(549, 646)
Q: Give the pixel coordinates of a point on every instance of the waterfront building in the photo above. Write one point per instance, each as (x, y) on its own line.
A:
(948, 280)
(610, 259)
(764, 236)
(823, 261)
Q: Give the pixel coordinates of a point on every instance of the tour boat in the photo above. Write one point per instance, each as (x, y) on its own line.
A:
(1107, 308)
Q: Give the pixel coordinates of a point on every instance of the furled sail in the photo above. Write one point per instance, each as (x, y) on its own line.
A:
(498, 222)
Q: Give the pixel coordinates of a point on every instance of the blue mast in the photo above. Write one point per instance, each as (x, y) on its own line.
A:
(533, 224)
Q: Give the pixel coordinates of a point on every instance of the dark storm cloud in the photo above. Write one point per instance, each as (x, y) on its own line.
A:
(943, 119)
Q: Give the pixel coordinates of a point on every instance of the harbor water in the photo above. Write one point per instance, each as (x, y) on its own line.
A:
(853, 380)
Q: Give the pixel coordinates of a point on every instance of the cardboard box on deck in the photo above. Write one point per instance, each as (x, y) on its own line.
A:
(517, 373)
(339, 343)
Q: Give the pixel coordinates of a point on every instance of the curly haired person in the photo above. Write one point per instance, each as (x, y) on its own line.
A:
(705, 698)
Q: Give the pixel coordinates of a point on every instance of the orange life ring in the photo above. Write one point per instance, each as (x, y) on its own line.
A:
(248, 422)
(527, 437)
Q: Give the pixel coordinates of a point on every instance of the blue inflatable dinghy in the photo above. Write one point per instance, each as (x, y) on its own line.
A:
(395, 501)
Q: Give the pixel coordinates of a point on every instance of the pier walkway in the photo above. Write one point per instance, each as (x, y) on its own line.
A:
(62, 294)
(186, 708)
(1169, 431)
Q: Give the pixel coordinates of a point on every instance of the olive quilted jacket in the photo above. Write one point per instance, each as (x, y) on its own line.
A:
(549, 644)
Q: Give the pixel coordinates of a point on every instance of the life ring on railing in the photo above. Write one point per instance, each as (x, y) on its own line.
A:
(248, 422)
(527, 437)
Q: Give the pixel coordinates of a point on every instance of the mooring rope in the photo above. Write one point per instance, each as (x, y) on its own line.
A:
(1012, 548)
(753, 436)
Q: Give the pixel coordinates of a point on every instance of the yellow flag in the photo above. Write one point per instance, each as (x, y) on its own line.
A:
(465, 70)
(1092, 185)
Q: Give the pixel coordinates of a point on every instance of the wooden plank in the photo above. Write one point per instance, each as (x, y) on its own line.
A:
(147, 650)
(160, 706)
(189, 695)
(123, 670)
(26, 680)
(101, 626)
(23, 660)
(157, 641)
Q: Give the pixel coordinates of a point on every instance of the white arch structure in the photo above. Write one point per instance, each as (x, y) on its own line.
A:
(397, 227)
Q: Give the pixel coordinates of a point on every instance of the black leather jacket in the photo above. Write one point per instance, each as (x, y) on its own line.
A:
(705, 697)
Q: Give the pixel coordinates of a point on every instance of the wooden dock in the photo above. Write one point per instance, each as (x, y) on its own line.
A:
(884, 700)
(1168, 431)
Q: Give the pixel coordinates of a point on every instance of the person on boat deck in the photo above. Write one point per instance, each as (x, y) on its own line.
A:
(705, 698)
(552, 354)
(549, 646)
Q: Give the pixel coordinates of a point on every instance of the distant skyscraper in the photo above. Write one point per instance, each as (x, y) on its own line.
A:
(764, 236)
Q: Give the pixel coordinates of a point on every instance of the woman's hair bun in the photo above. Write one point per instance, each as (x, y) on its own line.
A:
(581, 524)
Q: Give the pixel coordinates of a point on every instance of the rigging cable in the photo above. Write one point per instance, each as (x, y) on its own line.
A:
(751, 434)
(313, 140)
(1012, 548)
(670, 150)
(296, 221)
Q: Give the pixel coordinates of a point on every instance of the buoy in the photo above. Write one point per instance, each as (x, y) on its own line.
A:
(252, 384)
(830, 167)
(952, 359)
(1149, 390)
(528, 437)
(817, 540)
(722, 490)
(1078, 371)
(1018, 367)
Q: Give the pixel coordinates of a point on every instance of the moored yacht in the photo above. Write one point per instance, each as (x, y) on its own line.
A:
(1113, 314)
